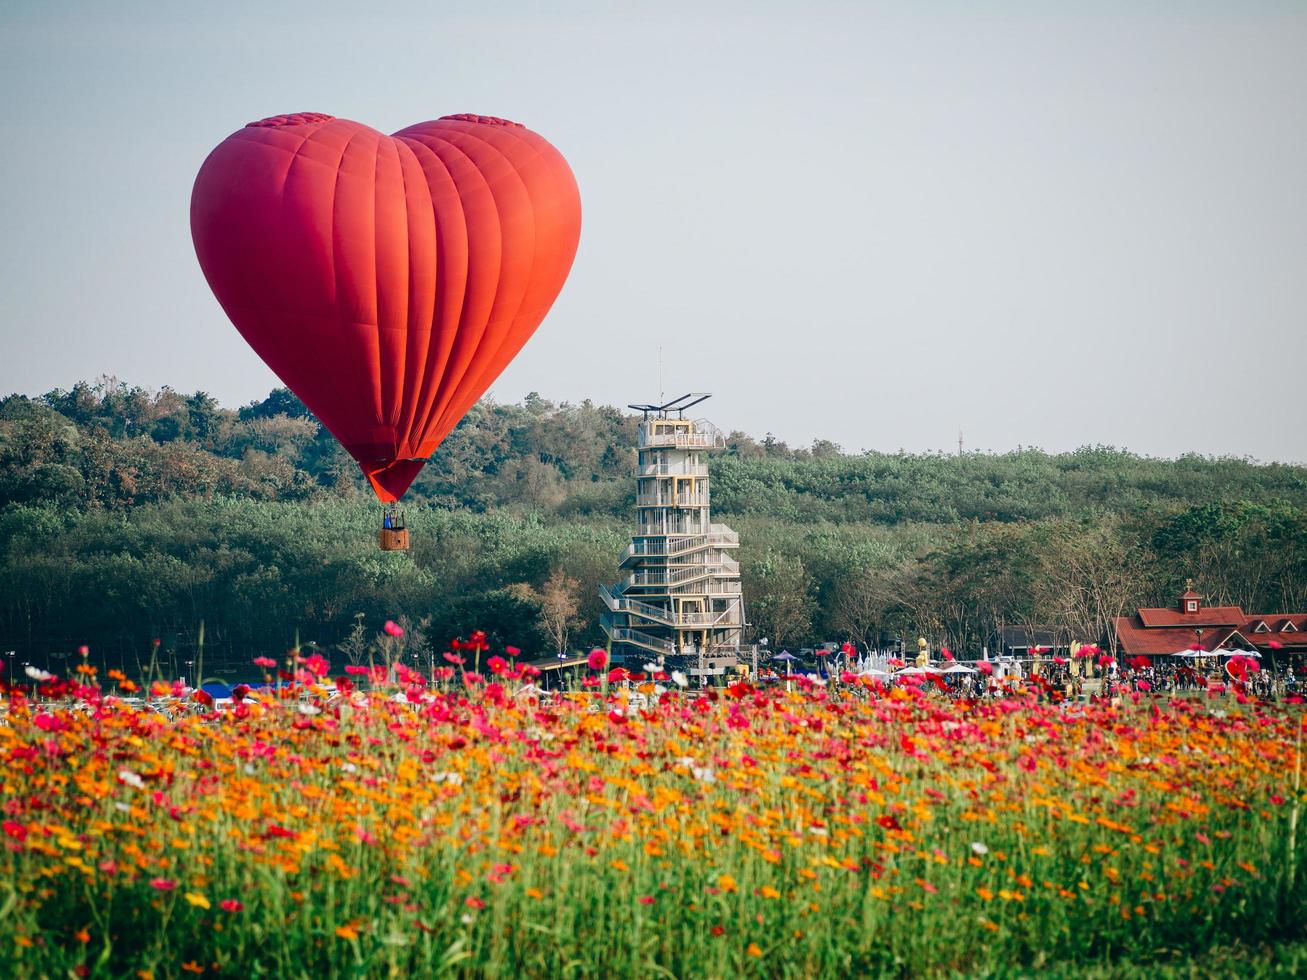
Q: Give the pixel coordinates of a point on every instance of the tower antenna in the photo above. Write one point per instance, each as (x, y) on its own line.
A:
(660, 374)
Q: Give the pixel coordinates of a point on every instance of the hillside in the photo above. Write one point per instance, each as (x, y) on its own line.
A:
(127, 515)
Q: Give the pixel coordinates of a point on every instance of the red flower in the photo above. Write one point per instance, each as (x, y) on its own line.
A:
(512, 651)
(163, 884)
(946, 653)
(1276, 645)
(15, 830)
(646, 899)
(889, 822)
(204, 698)
(393, 629)
(355, 669)
(597, 660)
(231, 905)
(985, 667)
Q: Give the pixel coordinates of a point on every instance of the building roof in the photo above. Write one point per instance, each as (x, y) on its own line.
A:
(1169, 635)
(1204, 618)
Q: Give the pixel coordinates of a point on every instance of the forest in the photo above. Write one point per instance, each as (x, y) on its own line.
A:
(128, 517)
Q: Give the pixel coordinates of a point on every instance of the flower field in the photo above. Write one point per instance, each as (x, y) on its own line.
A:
(471, 829)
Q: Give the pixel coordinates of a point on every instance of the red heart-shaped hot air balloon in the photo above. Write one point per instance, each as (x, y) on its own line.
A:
(387, 280)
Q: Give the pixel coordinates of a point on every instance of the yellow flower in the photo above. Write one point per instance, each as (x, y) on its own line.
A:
(726, 883)
(198, 900)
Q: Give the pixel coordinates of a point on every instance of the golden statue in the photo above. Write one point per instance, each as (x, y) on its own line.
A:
(923, 652)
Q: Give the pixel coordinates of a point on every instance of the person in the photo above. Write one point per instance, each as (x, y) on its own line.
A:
(385, 521)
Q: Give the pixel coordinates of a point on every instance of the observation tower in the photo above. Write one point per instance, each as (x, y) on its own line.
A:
(680, 601)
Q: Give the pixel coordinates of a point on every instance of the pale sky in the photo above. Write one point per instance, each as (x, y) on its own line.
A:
(1046, 224)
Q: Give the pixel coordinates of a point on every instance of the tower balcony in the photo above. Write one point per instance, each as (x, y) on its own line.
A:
(661, 577)
(672, 500)
(673, 469)
(722, 618)
(637, 550)
(705, 436)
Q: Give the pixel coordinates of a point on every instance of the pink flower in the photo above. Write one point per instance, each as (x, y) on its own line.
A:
(231, 905)
(946, 653)
(317, 664)
(512, 651)
(265, 662)
(646, 899)
(163, 884)
(985, 667)
(355, 669)
(84, 650)
(597, 660)
(393, 629)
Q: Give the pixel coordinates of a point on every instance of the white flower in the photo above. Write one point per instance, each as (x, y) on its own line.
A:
(651, 668)
(453, 778)
(37, 674)
(350, 767)
(704, 774)
(979, 848)
(679, 679)
(310, 709)
(122, 807)
(467, 918)
(131, 779)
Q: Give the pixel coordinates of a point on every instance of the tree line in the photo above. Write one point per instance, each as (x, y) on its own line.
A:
(129, 515)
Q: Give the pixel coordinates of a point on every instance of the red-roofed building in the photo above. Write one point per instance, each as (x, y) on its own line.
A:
(1191, 625)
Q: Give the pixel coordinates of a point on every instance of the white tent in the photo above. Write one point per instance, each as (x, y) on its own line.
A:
(958, 669)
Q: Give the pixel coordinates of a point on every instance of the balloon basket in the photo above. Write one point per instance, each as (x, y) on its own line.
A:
(394, 539)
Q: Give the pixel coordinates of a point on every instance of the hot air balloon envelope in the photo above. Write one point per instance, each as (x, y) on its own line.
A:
(387, 280)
